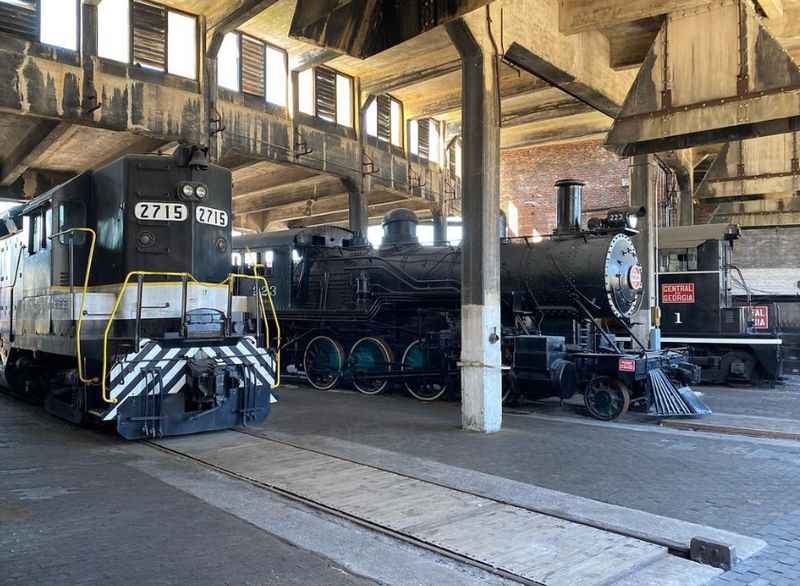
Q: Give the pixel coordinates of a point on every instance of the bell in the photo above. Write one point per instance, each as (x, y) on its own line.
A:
(199, 158)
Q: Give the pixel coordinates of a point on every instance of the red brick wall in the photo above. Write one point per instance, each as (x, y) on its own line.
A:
(527, 177)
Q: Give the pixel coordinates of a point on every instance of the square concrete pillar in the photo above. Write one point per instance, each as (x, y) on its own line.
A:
(645, 175)
(481, 384)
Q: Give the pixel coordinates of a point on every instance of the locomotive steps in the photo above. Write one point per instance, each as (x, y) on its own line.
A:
(522, 532)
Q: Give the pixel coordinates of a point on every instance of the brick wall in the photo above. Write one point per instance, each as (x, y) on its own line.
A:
(527, 177)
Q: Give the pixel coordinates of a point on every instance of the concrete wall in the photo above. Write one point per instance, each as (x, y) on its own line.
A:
(527, 177)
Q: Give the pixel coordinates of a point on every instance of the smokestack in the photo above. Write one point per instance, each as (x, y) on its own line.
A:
(568, 204)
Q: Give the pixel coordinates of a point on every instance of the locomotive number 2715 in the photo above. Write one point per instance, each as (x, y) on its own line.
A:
(211, 216)
(161, 211)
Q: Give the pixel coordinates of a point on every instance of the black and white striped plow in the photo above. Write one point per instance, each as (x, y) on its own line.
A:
(163, 371)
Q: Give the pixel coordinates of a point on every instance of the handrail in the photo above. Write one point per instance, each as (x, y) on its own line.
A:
(79, 326)
(117, 302)
(229, 281)
(232, 277)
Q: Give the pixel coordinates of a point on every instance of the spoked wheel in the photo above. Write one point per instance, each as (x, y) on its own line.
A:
(370, 359)
(606, 398)
(418, 357)
(323, 362)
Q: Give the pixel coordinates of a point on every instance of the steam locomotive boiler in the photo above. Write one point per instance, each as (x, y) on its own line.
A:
(116, 301)
(374, 317)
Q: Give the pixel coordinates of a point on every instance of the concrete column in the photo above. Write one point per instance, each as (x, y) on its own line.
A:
(644, 176)
(439, 226)
(481, 404)
(88, 51)
(358, 211)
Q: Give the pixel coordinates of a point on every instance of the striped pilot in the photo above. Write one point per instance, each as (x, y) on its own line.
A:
(117, 301)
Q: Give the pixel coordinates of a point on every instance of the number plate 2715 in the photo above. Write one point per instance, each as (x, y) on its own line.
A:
(211, 216)
(161, 211)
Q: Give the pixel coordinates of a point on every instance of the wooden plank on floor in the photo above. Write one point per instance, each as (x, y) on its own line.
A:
(533, 546)
(749, 425)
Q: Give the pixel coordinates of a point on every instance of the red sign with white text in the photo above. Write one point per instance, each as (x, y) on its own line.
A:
(761, 317)
(627, 365)
(677, 293)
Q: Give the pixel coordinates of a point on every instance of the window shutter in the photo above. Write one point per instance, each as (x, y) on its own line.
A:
(424, 137)
(149, 35)
(384, 118)
(22, 20)
(326, 94)
(253, 66)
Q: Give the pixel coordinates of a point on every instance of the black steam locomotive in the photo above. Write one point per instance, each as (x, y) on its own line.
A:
(116, 302)
(393, 315)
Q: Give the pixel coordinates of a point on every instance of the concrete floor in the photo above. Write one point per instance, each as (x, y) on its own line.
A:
(127, 513)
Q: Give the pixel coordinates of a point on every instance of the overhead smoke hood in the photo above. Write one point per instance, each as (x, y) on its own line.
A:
(713, 74)
(754, 167)
(362, 28)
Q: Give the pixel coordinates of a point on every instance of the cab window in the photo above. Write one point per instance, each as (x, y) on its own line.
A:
(35, 238)
(71, 214)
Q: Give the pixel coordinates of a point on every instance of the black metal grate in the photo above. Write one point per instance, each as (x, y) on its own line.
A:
(149, 35)
(326, 94)
(21, 20)
(253, 66)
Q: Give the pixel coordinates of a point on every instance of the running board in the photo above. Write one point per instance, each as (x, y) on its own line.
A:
(669, 401)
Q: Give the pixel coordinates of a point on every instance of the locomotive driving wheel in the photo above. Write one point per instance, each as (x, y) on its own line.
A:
(606, 398)
(323, 362)
(370, 358)
(418, 357)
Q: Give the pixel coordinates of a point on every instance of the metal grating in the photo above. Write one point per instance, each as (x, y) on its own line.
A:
(326, 94)
(253, 66)
(149, 35)
(20, 19)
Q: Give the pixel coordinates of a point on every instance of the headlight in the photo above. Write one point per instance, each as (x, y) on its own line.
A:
(187, 190)
(633, 221)
(201, 191)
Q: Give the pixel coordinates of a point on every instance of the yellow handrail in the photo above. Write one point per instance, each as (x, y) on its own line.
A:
(234, 276)
(229, 281)
(79, 327)
(117, 303)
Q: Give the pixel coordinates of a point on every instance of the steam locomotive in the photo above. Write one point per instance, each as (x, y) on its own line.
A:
(116, 302)
(374, 318)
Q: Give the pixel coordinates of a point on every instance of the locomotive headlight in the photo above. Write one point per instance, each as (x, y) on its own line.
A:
(187, 190)
(201, 191)
(633, 221)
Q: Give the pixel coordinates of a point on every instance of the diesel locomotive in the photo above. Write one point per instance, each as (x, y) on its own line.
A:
(117, 305)
(733, 341)
(391, 317)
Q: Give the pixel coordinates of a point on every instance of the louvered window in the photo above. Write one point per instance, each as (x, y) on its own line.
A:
(424, 138)
(149, 35)
(253, 66)
(384, 120)
(325, 82)
(326, 94)
(19, 18)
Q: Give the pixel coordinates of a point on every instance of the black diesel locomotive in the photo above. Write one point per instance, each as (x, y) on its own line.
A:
(732, 341)
(374, 317)
(116, 302)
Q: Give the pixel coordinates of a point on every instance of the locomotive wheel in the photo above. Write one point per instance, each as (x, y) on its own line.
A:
(323, 362)
(738, 368)
(369, 358)
(606, 398)
(418, 357)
